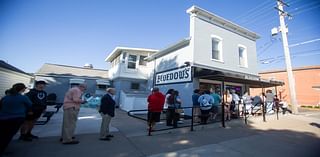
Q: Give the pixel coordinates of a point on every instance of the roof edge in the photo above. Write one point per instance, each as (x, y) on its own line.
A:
(118, 49)
(215, 19)
(169, 49)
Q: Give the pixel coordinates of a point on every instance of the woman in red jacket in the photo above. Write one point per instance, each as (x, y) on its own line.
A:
(155, 106)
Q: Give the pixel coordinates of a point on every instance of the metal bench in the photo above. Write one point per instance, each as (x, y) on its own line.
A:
(47, 115)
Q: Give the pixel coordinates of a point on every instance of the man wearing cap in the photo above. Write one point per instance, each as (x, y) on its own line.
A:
(38, 98)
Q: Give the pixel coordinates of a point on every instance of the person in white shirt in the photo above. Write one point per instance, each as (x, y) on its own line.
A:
(269, 101)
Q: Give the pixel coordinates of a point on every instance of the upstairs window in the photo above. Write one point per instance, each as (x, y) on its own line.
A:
(132, 59)
(242, 56)
(216, 53)
(135, 86)
(142, 61)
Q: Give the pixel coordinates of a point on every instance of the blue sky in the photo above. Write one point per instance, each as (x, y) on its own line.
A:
(75, 32)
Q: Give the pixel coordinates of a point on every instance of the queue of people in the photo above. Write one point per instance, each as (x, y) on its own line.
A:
(18, 111)
(21, 111)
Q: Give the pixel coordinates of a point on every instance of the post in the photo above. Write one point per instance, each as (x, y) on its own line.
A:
(192, 116)
(222, 105)
(263, 106)
(277, 106)
(291, 80)
(244, 110)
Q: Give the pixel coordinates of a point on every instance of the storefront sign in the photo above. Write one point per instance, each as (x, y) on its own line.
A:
(180, 75)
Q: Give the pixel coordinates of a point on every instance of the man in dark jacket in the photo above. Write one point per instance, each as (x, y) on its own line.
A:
(106, 111)
(38, 98)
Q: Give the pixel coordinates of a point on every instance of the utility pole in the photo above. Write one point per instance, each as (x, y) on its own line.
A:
(283, 29)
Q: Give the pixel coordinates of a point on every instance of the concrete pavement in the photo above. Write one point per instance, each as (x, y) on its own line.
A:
(291, 135)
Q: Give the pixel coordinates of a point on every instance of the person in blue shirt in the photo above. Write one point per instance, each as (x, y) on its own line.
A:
(196, 105)
(13, 109)
(216, 104)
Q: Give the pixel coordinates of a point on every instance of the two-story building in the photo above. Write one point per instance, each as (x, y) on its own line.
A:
(130, 75)
(217, 54)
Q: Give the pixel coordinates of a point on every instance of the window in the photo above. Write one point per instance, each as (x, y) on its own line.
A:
(216, 48)
(102, 86)
(135, 86)
(242, 56)
(124, 55)
(132, 61)
(142, 61)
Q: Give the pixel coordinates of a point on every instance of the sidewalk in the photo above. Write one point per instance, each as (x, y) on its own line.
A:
(291, 135)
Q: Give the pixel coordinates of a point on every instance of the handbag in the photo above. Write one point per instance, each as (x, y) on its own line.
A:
(179, 110)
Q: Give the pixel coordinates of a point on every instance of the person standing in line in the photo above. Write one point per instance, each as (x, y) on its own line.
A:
(107, 108)
(227, 104)
(155, 105)
(284, 106)
(38, 98)
(196, 105)
(247, 100)
(71, 107)
(169, 102)
(269, 101)
(178, 110)
(216, 103)
(235, 102)
(206, 102)
(13, 109)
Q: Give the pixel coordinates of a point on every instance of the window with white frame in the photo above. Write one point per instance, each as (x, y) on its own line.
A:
(142, 61)
(132, 59)
(242, 56)
(216, 48)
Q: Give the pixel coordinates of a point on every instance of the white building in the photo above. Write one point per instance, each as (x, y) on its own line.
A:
(217, 54)
(130, 75)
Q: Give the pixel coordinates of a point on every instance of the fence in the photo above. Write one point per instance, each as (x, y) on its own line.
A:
(189, 120)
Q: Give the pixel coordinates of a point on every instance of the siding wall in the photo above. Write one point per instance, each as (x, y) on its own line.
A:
(202, 35)
(9, 78)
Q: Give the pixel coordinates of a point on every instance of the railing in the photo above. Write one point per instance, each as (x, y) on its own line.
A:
(188, 120)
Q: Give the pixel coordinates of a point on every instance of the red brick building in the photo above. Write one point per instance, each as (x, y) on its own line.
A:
(307, 79)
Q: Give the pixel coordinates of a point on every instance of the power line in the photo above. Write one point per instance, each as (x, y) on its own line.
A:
(266, 46)
(305, 42)
(296, 54)
(309, 9)
(260, 7)
(305, 7)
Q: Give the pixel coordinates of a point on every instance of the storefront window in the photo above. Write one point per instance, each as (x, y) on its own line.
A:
(208, 86)
(237, 89)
